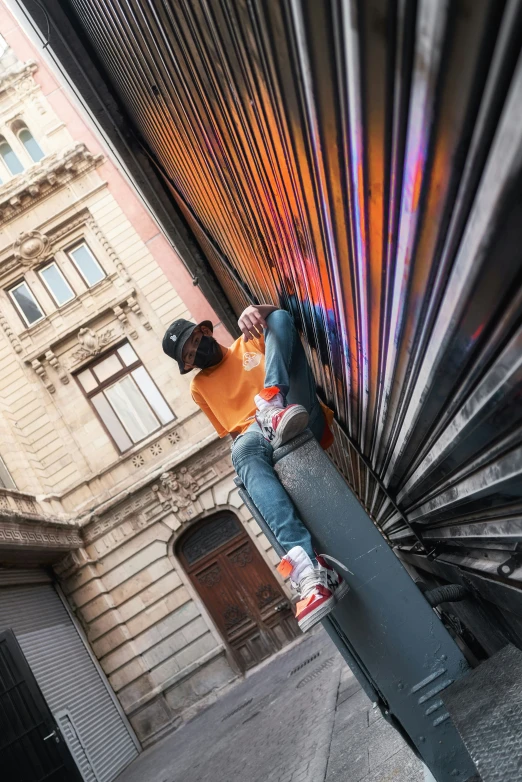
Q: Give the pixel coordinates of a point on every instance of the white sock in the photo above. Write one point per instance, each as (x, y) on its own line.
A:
(263, 404)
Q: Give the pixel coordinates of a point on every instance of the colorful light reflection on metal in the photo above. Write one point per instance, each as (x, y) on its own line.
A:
(361, 164)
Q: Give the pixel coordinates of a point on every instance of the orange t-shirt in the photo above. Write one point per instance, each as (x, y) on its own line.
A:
(226, 391)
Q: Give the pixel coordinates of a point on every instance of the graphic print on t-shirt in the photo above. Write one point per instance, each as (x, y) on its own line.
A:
(226, 392)
(251, 361)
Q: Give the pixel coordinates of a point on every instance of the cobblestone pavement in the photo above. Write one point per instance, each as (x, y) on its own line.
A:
(301, 717)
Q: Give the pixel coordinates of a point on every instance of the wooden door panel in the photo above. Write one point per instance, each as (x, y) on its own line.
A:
(268, 603)
(239, 590)
(221, 597)
(261, 645)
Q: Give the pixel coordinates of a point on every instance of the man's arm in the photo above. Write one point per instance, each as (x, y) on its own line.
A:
(252, 321)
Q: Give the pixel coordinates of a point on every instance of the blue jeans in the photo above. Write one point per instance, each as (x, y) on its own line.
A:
(286, 367)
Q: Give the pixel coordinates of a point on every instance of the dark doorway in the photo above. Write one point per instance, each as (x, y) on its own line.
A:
(32, 748)
(238, 589)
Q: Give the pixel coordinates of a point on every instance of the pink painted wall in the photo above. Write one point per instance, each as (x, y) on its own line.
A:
(127, 199)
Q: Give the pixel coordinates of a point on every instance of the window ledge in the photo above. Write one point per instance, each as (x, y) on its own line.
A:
(49, 341)
(49, 175)
(96, 291)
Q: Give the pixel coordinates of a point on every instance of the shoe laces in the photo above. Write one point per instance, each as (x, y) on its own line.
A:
(336, 561)
(311, 580)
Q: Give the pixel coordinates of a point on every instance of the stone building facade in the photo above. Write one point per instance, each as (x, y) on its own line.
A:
(111, 480)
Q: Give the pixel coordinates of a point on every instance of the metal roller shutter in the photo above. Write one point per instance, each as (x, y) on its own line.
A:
(359, 163)
(17, 576)
(97, 735)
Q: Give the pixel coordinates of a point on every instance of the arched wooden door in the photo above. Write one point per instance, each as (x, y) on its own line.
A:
(238, 588)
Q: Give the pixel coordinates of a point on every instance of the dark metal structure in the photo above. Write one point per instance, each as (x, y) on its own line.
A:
(404, 658)
(360, 163)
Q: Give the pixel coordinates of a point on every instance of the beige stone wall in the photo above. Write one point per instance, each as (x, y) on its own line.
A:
(153, 637)
(64, 443)
(155, 641)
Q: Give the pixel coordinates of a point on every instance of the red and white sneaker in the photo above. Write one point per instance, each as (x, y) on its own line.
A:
(281, 424)
(317, 599)
(334, 580)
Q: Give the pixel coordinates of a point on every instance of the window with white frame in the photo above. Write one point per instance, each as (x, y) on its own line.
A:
(86, 263)
(56, 284)
(14, 158)
(10, 158)
(26, 304)
(6, 482)
(124, 396)
(30, 144)
(56, 279)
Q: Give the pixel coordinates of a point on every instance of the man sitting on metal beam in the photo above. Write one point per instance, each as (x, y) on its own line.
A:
(262, 393)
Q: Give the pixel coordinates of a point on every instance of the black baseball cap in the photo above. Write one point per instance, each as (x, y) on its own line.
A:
(175, 337)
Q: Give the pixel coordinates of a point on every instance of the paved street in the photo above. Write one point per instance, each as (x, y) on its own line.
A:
(302, 717)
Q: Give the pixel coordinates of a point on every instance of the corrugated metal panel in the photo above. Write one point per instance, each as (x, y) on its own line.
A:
(360, 163)
(11, 576)
(67, 675)
(75, 745)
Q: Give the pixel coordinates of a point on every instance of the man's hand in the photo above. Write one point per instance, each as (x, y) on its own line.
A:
(252, 321)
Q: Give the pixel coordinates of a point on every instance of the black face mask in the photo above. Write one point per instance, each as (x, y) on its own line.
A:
(208, 353)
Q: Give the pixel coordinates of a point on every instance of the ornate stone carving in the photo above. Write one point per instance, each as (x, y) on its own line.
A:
(93, 225)
(188, 482)
(42, 374)
(31, 247)
(12, 501)
(18, 73)
(54, 171)
(174, 494)
(20, 534)
(71, 563)
(124, 320)
(100, 526)
(135, 307)
(174, 438)
(13, 339)
(58, 368)
(38, 104)
(213, 455)
(91, 342)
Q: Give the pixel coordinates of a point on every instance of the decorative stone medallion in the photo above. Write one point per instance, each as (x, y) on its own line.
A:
(31, 247)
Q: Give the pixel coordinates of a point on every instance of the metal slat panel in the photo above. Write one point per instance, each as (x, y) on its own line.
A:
(70, 734)
(359, 163)
(68, 677)
(11, 576)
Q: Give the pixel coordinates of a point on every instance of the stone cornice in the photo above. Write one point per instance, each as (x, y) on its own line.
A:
(16, 73)
(146, 501)
(179, 483)
(44, 178)
(89, 343)
(20, 533)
